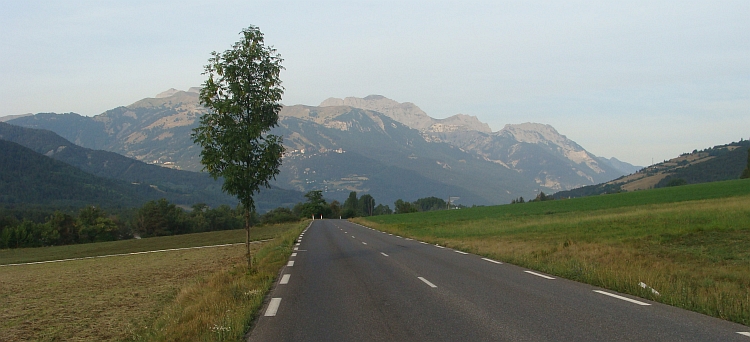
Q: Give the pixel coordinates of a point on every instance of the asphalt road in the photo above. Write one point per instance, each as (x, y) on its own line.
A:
(347, 282)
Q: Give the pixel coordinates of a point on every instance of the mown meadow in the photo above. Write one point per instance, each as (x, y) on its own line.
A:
(205, 294)
(690, 245)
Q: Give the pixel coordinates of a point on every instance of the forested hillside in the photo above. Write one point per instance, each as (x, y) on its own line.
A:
(29, 178)
(180, 187)
(718, 163)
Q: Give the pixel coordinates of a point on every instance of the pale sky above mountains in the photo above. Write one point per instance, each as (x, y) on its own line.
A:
(631, 79)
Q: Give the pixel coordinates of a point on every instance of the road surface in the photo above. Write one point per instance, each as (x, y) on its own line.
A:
(347, 282)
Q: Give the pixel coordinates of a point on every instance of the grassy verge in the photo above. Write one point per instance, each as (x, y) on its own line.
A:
(21, 255)
(135, 297)
(222, 306)
(689, 243)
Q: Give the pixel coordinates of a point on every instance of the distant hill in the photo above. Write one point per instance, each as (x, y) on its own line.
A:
(29, 178)
(719, 163)
(372, 145)
(180, 187)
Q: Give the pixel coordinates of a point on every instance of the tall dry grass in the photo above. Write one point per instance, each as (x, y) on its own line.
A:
(222, 306)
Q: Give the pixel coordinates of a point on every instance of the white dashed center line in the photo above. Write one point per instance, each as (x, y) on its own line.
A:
(383, 254)
(493, 261)
(427, 282)
(273, 306)
(285, 279)
(290, 263)
(539, 275)
(621, 297)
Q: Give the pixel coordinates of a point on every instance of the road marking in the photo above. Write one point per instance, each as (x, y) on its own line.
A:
(459, 252)
(407, 239)
(364, 243)
(745, 333)
(290, 263)
(399, 237)
(621, 297)
(439, 246)
(539, 275)
(427, 282)
(383, 254)
(285, 279)
(493, 261)
(297, 244)
(353, 237)
(273, 306)
(422, 242)
(296, 248)
(133, 253)
(294, 254)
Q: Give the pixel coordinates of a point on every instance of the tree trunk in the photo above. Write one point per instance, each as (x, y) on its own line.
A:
(247, 240)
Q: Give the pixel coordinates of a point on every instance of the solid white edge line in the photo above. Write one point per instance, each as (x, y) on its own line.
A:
(383, 254)
(744, 333)
(285, 279)
(459, 252)
(539, 275)
(290, 263)
(132, 253)
(492, 261)
(273, 307)
(427, 282)
(621, 297)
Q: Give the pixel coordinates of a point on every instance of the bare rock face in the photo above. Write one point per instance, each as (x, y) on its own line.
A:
(406, 113)
(540, 134)
(459, 122)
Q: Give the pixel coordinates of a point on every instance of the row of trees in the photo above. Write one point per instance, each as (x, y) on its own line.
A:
(92, 224)
(160, 218)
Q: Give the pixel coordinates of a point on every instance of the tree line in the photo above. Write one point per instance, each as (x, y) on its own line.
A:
(161, 218)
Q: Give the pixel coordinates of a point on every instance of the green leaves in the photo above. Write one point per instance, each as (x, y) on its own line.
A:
(242, 93)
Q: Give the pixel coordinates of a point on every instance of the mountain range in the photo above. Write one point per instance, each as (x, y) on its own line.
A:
(180, 187)
(372, 145)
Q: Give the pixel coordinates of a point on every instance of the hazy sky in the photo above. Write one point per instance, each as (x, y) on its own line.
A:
(631, 79)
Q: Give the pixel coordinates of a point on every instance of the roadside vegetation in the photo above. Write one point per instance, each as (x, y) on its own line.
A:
(685, 246)
(193, 294)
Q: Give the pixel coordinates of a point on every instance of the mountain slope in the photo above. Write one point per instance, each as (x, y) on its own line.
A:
(180, 187)
(722, 162)
(29, 178)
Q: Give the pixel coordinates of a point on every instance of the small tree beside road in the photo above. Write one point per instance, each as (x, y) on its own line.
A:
(242, 95)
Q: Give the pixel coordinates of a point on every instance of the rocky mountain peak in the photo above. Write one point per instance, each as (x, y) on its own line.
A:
(406, 113)
(460, 122)
(541, 134)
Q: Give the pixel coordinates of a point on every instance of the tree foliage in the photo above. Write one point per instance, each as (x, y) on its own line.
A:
(242, 93)
(746, 173)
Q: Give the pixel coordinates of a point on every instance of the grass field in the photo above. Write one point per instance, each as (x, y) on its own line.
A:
(690, 243)
(22, 255)
(136, 297)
